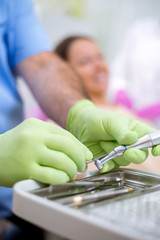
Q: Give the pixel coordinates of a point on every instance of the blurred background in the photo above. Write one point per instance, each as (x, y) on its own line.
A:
(107, 21)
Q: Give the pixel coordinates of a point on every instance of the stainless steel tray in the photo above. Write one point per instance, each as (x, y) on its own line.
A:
(96, 207)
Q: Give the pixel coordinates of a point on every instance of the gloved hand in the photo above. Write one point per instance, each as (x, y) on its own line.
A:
(102, 130)
(40, 151)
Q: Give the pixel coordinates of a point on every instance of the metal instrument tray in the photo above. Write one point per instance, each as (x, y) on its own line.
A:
(96, 207)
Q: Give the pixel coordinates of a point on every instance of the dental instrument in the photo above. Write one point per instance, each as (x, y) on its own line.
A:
(150, 140)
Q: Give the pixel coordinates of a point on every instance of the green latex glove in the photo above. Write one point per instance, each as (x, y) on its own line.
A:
(102, 130)
(40, 151)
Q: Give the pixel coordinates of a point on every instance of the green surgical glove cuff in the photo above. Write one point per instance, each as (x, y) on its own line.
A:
(74, 113)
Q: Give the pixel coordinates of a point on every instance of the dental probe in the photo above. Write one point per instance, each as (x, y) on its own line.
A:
(147, 141)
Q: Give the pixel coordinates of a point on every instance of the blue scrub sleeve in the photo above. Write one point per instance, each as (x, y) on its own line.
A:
(26, 35)
(6, 195)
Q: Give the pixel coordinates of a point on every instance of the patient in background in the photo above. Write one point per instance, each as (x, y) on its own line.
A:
(86, 59)
(84, 56)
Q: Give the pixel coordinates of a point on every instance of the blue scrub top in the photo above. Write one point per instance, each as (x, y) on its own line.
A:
(21, 36)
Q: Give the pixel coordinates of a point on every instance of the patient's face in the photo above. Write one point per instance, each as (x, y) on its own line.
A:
(86, 59)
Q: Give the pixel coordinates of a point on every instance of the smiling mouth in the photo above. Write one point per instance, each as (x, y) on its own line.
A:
(101, 77)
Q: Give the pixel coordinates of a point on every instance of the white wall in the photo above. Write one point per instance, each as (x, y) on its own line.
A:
(107, 19)
(112, 18)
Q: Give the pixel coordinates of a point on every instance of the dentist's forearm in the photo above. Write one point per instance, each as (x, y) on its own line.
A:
(53, 83)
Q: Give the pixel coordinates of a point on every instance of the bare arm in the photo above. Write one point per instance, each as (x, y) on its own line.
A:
(55, 86)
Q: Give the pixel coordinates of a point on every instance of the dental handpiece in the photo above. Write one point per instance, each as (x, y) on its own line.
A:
(150, 140)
